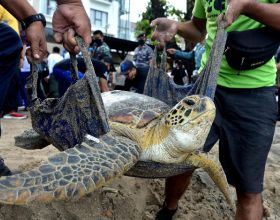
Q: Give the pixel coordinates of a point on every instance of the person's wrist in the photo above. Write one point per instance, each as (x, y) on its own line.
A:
(180, 26)
(35, 24)
(33, 30)
(248, 7)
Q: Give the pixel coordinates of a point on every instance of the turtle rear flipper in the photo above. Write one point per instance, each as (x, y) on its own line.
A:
(73, 173)
(31, 140)
(214, 170)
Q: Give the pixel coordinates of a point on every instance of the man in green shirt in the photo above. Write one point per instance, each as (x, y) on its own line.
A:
(245, 102)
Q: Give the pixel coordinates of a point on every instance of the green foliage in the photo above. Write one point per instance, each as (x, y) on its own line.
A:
(190, 5)
(178, 14)
(157, 8)
(144, 25)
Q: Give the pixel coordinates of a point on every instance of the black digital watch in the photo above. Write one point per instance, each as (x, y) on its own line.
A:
(30, 19)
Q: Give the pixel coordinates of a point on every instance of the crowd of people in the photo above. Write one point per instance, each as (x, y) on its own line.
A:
(245, 98)
(55, 74)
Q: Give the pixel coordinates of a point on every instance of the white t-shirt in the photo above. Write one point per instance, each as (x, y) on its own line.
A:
(53, 59)
(26, 66)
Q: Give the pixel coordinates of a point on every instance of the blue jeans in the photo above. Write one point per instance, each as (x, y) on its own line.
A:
(10, 48)
(22, 96)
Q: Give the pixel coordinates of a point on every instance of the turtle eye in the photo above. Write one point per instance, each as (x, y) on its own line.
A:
(189, 102)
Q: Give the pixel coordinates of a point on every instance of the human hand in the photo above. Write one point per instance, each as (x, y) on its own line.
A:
(71, 16)
(35, 36)
(236, 8)
(171, 51)
(165, 30)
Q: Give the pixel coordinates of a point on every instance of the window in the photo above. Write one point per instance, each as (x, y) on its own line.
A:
(99, 18)
(124, 29)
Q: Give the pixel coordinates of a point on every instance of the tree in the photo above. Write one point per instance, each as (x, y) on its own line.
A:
(190, 5)
(155, 9)
(160, 8)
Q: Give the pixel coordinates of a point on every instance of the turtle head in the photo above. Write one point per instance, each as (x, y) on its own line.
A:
(190, 121)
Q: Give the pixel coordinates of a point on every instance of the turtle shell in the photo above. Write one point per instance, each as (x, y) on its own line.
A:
(133, 109)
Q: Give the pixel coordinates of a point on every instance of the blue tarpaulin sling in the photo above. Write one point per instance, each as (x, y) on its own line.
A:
(159, 85)
(65, 121)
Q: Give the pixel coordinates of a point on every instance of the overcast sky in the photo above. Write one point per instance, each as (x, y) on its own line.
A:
(138, 7)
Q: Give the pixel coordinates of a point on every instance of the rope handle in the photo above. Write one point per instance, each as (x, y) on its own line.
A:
(207, 82)
(89, 76)
(33, 78)
(86, 57)
(160, 59)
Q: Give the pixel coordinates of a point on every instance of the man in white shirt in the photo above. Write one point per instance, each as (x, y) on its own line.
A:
(54, 58)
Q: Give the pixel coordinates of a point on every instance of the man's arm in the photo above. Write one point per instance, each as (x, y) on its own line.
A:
(103, 84)
(178, 54)
(21, 9)
(184, 55)
(193, 30)
(268, 14)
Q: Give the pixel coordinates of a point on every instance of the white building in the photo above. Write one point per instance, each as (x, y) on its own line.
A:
(109, 16)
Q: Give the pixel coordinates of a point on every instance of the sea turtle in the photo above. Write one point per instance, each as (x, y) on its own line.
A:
(164, 141)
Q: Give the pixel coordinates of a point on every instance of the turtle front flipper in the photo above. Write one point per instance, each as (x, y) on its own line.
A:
(73, 173)
(214, 170)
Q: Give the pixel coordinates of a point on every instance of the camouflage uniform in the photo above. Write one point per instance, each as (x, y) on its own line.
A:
(100, 52)
(143, 55)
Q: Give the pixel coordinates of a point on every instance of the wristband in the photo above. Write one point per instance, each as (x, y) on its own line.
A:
(33, 18)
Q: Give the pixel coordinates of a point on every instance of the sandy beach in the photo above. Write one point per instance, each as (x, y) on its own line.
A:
(129, 198)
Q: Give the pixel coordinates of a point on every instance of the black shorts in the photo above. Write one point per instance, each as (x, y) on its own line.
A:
(244, 125)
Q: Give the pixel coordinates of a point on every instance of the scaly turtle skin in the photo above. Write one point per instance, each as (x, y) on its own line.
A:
(163, 141)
